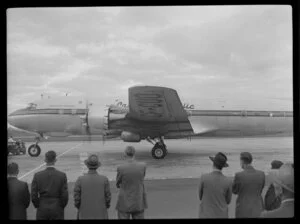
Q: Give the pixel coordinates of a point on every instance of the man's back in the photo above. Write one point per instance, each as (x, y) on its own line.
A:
(49, 190)
(215, 195)
(249, 184)
(92, 196)
(18, 198)
(130, 179)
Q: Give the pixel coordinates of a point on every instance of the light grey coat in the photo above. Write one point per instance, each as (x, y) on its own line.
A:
(130, 180)
(215, 195)
(248, 185)
(92, 196)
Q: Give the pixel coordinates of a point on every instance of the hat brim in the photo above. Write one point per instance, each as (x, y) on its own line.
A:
(92, 166)
(213, 159)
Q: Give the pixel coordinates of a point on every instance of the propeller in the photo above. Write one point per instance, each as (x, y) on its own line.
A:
(86, 121)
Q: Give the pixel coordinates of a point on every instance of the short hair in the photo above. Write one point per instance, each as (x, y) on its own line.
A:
(130, 151)
(12, 168)
(246, 157)
(50, 156)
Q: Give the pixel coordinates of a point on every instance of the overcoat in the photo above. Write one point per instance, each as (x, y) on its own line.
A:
(132, 193)
(248, 185)
(215, 195)
(49, 193)
(18, 198)
(92, 196)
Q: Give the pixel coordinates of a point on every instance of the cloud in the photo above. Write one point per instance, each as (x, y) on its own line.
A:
(248, 40)
(37, 48)
(72, 71)
(233, 52)
(129, 83)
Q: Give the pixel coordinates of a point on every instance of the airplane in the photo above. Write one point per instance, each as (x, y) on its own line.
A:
(153, 114)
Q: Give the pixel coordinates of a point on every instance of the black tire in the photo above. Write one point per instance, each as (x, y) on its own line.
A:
(34, 150)
(158, 152)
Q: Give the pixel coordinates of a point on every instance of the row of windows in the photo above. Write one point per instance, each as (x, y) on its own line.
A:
(49, 111)
(241, 113)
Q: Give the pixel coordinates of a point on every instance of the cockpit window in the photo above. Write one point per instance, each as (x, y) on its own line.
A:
(31, 106)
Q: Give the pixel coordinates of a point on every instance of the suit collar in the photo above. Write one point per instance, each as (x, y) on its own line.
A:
(92, 171)
(131, 161)
(216, 170)
(50, 168)
(249, 167)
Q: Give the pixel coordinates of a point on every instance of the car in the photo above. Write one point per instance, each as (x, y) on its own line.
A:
(16, 147)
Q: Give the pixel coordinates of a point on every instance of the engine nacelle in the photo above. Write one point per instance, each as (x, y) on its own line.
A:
(127, 136)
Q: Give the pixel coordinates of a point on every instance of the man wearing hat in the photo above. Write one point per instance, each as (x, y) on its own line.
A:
(130, 179)
(92, 194)
(271, 200)
(248, 185)
(18, 194)
(215, 190)
(49, 190)
(284, 187)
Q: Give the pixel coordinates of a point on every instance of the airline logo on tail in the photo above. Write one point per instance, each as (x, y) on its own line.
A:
(185, 105)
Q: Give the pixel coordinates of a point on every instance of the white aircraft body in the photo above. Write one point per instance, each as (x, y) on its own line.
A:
(153, 114)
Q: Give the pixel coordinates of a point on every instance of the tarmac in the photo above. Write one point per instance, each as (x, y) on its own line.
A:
(171, 183)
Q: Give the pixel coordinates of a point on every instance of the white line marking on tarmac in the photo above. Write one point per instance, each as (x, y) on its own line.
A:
(26, 174)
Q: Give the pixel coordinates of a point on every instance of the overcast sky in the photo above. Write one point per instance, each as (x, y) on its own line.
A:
(216, 57)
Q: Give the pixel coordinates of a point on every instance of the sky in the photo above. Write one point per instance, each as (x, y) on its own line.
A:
(216, 57)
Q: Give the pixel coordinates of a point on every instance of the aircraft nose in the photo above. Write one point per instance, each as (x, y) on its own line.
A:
(11, 120)
(14, 120)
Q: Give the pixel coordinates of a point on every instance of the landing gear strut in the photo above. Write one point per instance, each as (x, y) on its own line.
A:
(159, 150)
(34, 150)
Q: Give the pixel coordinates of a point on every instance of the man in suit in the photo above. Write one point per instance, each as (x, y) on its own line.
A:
(92, 192)
(18, 194)
(271, 200)
(284, 188)
(248, 185)
(215, 190)
(49, 191)
(130, 179)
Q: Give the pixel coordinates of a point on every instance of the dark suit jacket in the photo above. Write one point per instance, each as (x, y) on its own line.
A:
(271, 201)
(92, 196)
(18, 198)
(215, 195)
(286, 210)
(49, 193)
(248, 185)
(130, 180)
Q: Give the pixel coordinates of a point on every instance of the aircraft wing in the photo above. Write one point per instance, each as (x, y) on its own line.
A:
(157, 104)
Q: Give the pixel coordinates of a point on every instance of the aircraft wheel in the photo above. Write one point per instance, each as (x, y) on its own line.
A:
(34, 150)
(159, 152)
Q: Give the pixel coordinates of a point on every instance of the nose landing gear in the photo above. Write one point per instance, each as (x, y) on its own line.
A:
(34, 150)
(159, 150)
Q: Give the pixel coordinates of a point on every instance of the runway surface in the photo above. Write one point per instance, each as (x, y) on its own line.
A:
(171, 182)
(186, 159)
